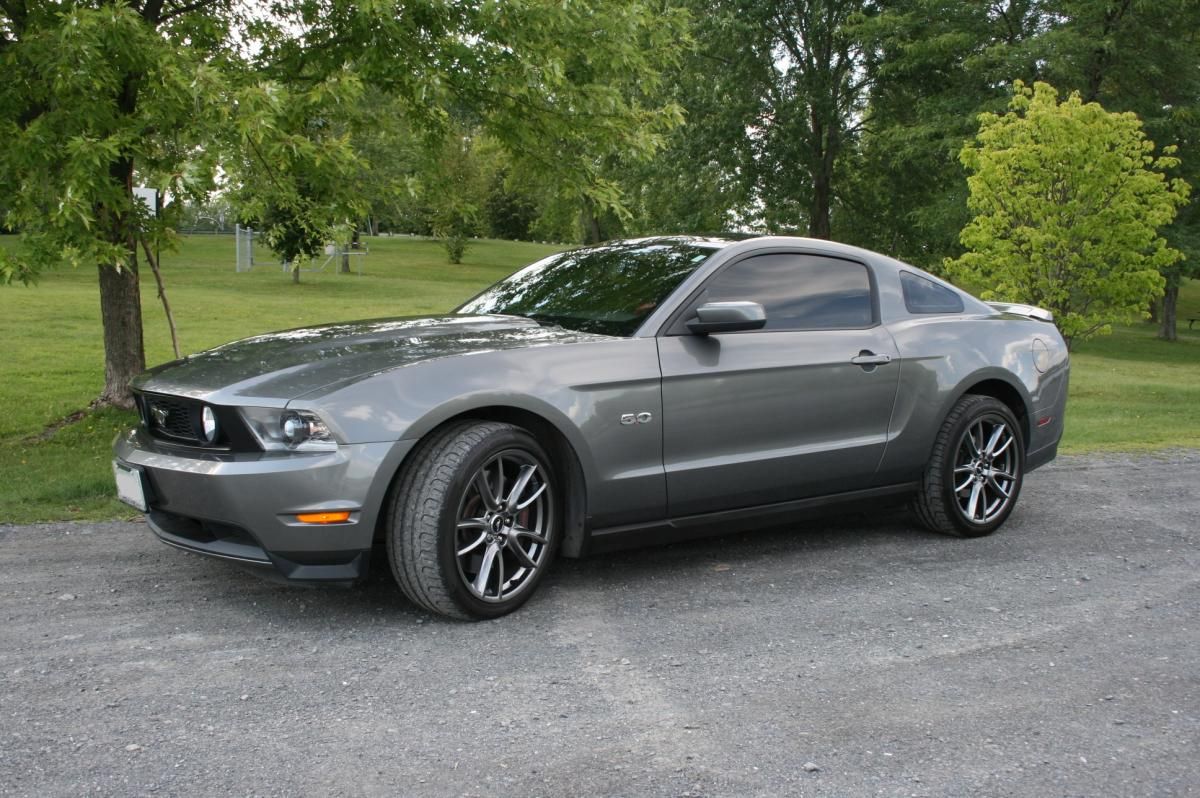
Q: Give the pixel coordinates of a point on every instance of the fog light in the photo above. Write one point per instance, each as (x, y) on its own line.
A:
(209, 421)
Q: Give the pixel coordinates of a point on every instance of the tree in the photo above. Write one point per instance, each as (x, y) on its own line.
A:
(454, 188)
(705, 177)
(389, 156)
(290, 159)
(934, 65)
(510, 211)
(97, 93)
(1142, 56)
(814, 102)
(1069, 200)
(90, 90)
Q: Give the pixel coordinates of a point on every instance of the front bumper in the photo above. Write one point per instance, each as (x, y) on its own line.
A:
(243, 507)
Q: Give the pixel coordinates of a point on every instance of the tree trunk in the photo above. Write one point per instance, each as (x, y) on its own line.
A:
(1170, 298)
(345, 253)
(591, 224)
(1154, 311)
(120, 294)
(818, 221)
(824, 136)
(121, 313)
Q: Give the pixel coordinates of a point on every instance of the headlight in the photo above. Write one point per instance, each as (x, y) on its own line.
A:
(299, 428)
(289, 430)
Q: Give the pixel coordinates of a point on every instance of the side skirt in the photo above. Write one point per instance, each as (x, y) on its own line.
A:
(725, 522)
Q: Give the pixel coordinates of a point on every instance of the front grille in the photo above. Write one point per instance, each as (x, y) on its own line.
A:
(177, 419)
(172, 417)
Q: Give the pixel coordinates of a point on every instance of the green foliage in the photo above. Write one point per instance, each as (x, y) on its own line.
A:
(454, 190)
(290, 158)
(1069, 200)
(89, 91)
(390, 155)
(510, 211)
(705, 176)
(561, 86)
(935, 65)
(774, 96)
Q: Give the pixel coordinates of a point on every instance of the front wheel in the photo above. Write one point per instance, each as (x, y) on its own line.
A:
(974, 474)
(473, 522)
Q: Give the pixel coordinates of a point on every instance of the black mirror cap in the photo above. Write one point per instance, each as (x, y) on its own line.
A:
(719, 317)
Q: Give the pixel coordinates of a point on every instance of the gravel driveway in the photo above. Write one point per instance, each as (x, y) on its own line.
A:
(842, 657)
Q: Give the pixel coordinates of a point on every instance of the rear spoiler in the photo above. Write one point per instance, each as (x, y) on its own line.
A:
(1029, 311)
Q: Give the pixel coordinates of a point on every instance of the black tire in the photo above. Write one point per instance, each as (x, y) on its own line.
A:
(992, 483)
(426, 525)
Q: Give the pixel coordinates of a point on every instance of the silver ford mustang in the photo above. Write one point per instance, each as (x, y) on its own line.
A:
(628, 393)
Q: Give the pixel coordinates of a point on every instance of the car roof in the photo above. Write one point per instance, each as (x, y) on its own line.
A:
(718, 241)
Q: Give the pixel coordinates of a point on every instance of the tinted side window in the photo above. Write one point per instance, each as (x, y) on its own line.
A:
(799, 292)
(926, 296)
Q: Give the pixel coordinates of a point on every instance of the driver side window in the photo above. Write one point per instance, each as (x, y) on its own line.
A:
(798, 292)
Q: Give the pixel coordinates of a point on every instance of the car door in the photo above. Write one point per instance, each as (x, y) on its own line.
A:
(796, 409)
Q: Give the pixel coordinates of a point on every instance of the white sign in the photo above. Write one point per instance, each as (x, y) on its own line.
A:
(149, 198)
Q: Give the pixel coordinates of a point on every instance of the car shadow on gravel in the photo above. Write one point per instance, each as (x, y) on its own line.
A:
(378, 595)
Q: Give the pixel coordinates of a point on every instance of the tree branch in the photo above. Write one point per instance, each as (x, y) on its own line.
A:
(162, 294)
(178, 11)
(150, 11)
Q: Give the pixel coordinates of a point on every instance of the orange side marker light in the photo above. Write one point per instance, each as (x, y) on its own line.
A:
(338, 517)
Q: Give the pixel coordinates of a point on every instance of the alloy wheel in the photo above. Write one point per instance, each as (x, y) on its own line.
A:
(504, 525)
(986, 468)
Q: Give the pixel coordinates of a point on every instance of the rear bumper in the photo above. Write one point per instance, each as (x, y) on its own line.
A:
(243, 507)
(1049, 418)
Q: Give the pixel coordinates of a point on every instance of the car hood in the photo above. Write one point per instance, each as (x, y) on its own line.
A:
(274, 368)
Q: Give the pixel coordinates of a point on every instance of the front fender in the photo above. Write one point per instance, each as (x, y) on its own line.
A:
(581, 389)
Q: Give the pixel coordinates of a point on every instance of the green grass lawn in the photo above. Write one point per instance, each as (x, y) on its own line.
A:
(1128, 391)
(1131, 391)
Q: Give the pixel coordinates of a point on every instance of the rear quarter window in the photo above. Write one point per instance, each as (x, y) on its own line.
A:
(926, 296)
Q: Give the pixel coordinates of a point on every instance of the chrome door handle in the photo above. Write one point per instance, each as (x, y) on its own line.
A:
(865, 358)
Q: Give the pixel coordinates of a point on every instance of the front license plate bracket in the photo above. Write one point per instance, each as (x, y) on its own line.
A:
(131, 485)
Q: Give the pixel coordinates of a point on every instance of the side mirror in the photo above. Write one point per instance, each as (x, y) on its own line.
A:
(718, 317)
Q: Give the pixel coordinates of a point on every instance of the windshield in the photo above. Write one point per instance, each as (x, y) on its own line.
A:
(609, 289)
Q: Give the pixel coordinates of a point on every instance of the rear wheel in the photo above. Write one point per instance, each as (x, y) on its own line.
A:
(473, 523)
(974, 475)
